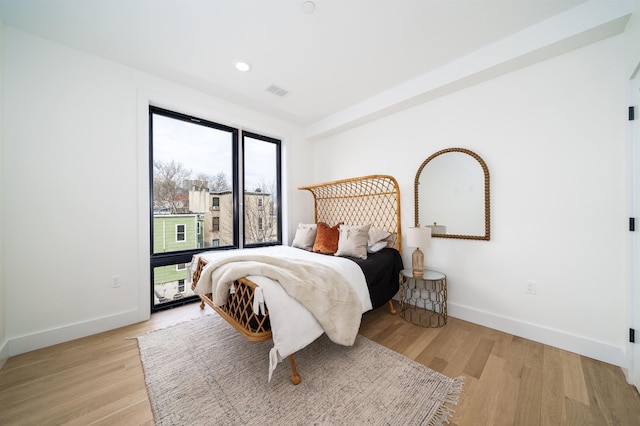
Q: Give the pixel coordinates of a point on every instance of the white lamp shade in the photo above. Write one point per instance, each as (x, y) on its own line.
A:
(418, 237)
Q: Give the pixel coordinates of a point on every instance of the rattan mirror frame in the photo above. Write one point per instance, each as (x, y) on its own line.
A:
(487, 198)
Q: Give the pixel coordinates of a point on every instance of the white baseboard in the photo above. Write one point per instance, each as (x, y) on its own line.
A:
(557, 338)
(39, 340)
(4, 352)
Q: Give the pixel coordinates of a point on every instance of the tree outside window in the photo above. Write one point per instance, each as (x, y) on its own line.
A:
(195, 193)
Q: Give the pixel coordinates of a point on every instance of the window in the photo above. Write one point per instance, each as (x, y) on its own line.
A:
(195, 195)
(181, 233)
(262, 188)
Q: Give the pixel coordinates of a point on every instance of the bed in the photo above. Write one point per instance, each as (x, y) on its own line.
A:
(247, 287)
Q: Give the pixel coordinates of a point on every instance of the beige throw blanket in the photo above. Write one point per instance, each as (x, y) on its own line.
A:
(323, 291)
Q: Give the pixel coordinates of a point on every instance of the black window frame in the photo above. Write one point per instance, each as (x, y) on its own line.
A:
(278, 145)
(238, 147)
(185, 256)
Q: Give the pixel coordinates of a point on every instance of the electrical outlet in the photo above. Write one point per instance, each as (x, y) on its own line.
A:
(530, 287)
(115, 281)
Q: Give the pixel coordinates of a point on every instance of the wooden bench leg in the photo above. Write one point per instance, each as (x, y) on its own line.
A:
(392, 310)
(295, 377)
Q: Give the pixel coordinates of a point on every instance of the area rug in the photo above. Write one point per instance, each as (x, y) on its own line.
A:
(202, 372)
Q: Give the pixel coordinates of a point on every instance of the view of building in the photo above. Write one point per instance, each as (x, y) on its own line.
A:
(208, 224)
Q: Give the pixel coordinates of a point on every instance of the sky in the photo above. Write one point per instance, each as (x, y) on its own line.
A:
(208, 151)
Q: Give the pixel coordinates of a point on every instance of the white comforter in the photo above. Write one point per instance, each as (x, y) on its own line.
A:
(293, 326)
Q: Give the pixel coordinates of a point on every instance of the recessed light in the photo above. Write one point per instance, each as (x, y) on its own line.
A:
(243, 66)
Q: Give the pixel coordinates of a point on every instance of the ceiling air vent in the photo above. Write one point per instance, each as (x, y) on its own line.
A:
(277, 90)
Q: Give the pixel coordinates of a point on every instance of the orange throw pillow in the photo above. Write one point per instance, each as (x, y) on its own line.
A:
(327, 238)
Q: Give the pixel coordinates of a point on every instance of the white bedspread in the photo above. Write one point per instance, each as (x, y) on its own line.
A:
(293, 326)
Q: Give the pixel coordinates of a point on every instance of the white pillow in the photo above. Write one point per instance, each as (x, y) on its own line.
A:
(353, 241)
(377, 246)
(305, 236)
(376, 235)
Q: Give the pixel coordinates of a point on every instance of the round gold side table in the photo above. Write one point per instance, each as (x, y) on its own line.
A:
(423, 300)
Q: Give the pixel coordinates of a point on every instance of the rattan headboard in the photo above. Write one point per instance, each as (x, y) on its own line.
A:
(362, 200)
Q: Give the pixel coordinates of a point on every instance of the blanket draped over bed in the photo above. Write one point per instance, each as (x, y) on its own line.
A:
(320, 289)
(305, 300)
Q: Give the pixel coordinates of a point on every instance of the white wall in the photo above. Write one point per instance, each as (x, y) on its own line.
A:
(632, 48)
(553, 137)
(4, 348)
(632, 41)
(75, 200)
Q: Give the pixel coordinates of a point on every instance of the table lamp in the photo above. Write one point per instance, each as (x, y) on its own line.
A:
(418, 237)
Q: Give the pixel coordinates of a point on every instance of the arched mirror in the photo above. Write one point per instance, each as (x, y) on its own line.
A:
(452, 195)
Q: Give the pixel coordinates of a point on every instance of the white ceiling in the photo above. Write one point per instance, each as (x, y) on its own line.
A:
(341, 56)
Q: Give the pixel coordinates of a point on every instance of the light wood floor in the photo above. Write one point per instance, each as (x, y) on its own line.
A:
(508, 380)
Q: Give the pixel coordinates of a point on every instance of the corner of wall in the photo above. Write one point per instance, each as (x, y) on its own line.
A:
(4, 352)
(632, 41)
(3, 300)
